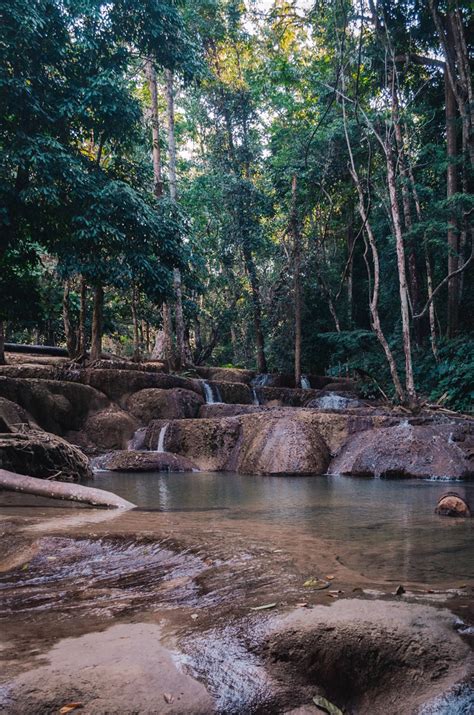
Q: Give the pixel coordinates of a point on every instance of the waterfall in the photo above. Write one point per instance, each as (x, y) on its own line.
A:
(305, 383)
(333, 402)
(161, 438)
(137, 442)
(255, 399)
(211, 392)
(262, 380)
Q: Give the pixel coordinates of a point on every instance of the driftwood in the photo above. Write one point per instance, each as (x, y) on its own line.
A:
(61, 490)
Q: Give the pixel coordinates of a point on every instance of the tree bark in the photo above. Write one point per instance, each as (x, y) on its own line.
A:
(412, 267)
(136, 335)
(61, 490)
(184, 356)
(81, 337)
(451, 189)
(155, 129)
(71, 335)
(296, 280)
(257, 310)
(2, 342)
(350, 269)
(97, 323)
(374, 298)
(402, 279)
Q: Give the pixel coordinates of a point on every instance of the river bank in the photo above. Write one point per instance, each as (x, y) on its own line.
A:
(186, 580)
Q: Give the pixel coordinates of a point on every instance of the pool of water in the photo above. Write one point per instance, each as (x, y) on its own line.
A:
(383, 528)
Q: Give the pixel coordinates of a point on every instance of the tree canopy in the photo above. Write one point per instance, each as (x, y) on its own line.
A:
(323, 158)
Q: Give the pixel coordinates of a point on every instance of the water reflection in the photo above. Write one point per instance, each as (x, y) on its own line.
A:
(383, 528)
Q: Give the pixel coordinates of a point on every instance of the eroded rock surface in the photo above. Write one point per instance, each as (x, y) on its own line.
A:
(369, 656)
(43, 455)
(209, 443)
(56, 405)
(279, 445)
(130, 461)
(405, 450)
(154, 403)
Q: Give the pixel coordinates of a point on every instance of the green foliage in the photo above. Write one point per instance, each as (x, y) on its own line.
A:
(450, 381)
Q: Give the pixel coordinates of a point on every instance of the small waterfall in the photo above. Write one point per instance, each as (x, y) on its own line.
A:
(305, 383)
(137, 443)
(333, 402)
(211, 392)
(161, 438)
(262, 380)
(255, 399)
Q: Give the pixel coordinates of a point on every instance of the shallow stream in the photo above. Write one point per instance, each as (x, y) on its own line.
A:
(188, 571)
(385, 528)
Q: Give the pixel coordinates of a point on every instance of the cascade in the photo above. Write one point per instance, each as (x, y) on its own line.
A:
(161, 438)
(211, 392)
(137, 442)
(255, 399)
(333, 402)
(262, 380)
(305, 383)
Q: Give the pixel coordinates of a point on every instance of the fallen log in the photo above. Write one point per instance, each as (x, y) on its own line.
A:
(61, 490)
(50, 350)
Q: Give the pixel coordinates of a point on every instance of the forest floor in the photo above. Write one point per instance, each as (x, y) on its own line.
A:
(160, 612)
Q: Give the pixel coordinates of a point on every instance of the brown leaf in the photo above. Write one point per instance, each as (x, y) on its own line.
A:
(168, 698)
(69, 707)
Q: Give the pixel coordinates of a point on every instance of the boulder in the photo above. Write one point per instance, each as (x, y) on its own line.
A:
(128, 461)
(341, 385)
(57, 406)
(235, 393)
(265, 442)
(43, 455)
(225, 374)
(404, 450)
(13, 417)
(110, 429)
(155, 403)
(30, 370)
(453, 504)
(209, 443)
(288, 444)
(220, 409)
(119, 384)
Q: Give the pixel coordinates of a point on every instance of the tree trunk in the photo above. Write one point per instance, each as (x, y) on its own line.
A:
(61, 490)
(71, 336)
(97, 323)
(412, 267)
(402, 279)
(296, 280)
(155, 129)
(451, 189)
(2, 342)
(184, 356)
(136, 336)
(374, 298)
(350, 269)
(257, 310)
(181, 342)
(168, 351)
(81, 338)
